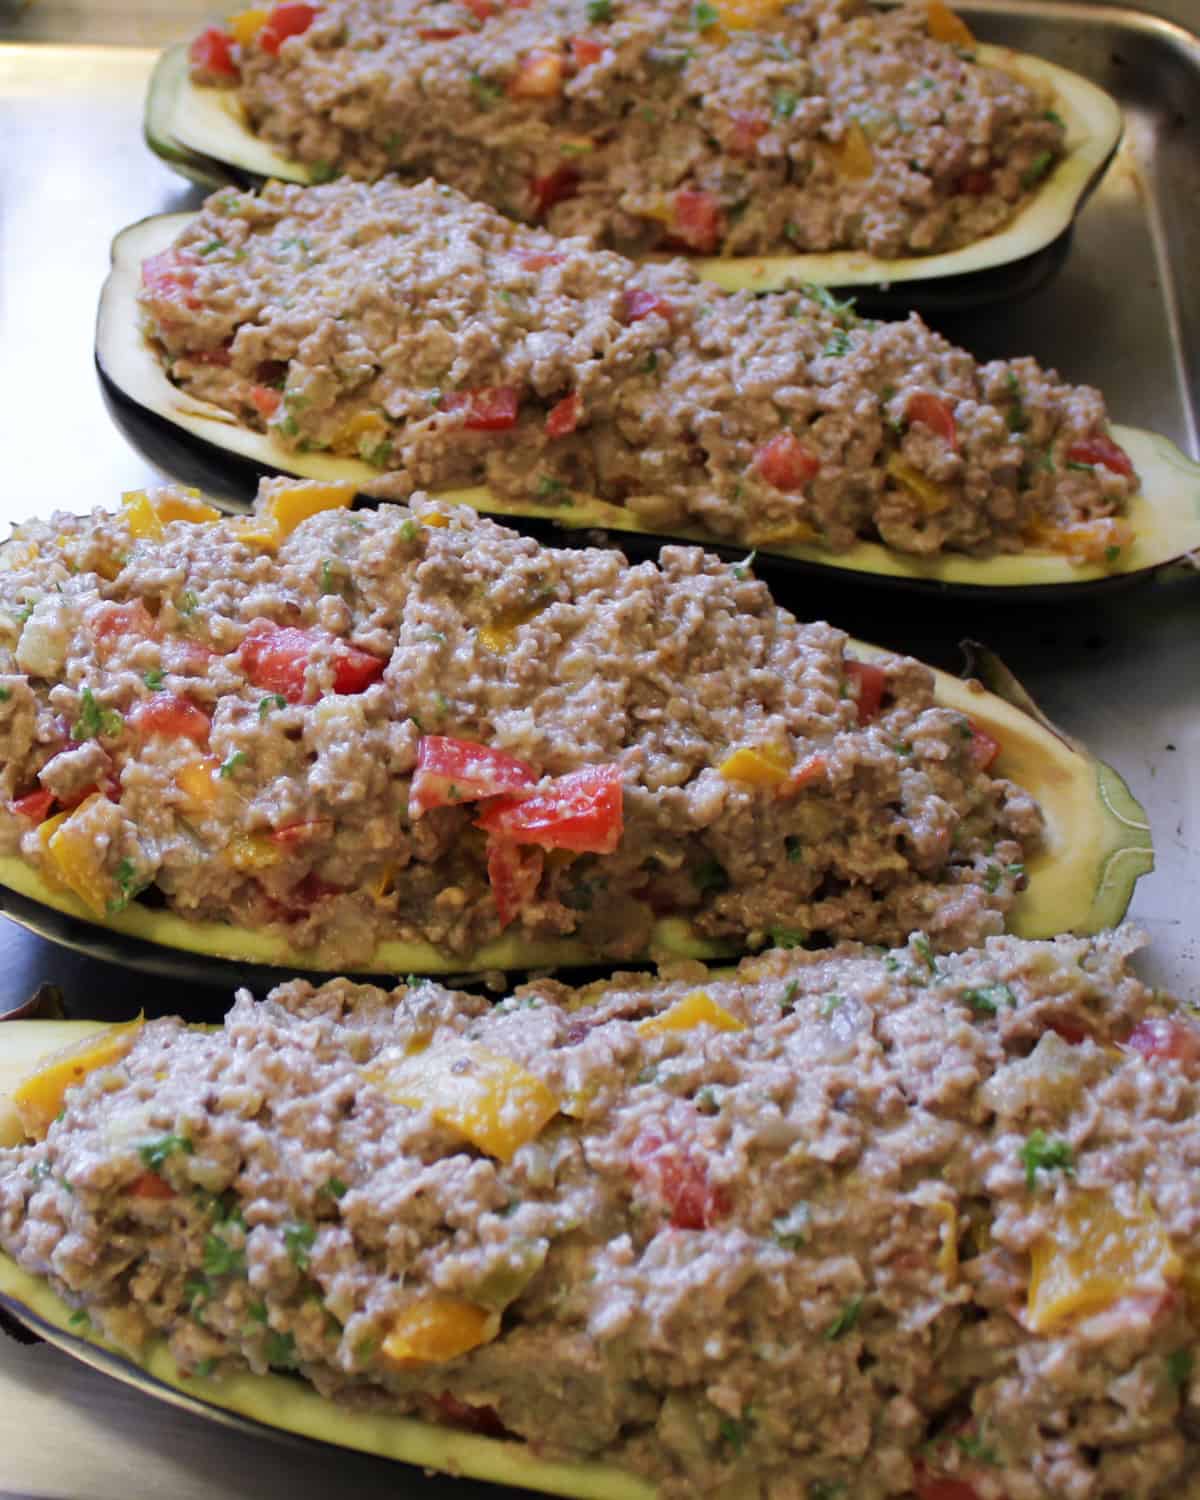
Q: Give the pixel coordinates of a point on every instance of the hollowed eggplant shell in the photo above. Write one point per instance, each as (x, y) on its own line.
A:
(1097, 844)
(201, 133)
(201, 443)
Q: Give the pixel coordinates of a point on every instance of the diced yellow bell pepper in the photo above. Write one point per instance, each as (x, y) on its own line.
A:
(1097, 541)
(255, 531)
(947, 1256)
(489, 1099)
(435, 1329)
(141, 515)
(288, 507)
(174, 505)
(933, 497)
(696, 1009)
(251, 852)
(73, 856)
(499, 635)
(758, 765)
(1098, 1255)
(538, 76)
(434, 518)
(945, 26)
(196, 782)
(855, 158)
(744, 15)
(789, 531)
(244, 25)
(38, 1099)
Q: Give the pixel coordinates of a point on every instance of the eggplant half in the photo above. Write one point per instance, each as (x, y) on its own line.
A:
(269, 1405)
(201, 443)
(202, 133)
(1096, 844)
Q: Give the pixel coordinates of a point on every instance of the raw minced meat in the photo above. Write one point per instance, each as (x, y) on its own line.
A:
(445, 345)
(836, 1224)
(399, 723)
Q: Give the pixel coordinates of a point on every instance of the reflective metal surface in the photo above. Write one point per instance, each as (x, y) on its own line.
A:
(1123, 675)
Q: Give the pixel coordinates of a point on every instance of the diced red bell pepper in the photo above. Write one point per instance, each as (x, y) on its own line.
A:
(221, 356)
(482, 10)
(976, 183)
(564, 416)
(450, 771)
(111, 621)
(151, 1185)
(562, 183)
(982, 749)
(275, 658)
(1071, 1031)
(1159, 1038)
(748, 129)
(33, 805)
(930, 1486)
(514, 874)
(678, 1174)
(872, 681)
(266, 401)
(696, 220)
(488, 409)
(640, 304)
(301, 833)
(583, 811)
(212, 53)
(932, 412)
(171, 275)
(538, 260)
(288, 19)
(1103, 451)
(482, 1419)
(438, 33)
(785, 462)
(585, 51)
(178, 718)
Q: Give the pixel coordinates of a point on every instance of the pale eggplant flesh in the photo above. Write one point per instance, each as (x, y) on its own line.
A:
(202, 133)
(199, 442)
(1096, 845)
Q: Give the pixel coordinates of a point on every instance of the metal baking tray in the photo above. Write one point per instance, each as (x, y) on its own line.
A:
(1121, 674)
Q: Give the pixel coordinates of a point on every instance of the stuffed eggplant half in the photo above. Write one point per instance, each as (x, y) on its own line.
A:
(408, 738)
(813, 141)
(406, 337)
(872, 1224)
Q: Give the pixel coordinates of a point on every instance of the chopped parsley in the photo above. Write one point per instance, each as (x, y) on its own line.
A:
(298, 1241)
(265, 705)
(1042, 1154)
(1037, 169)
(921, 944)
(976, 1448)
(734, 1432)
(205, 1368)
(788, 937)
(95, 722)
(791, 1229)
(1081, 468)
(409, 531)
(599, 10)
(155, 1153)
(238, 758)
(838, 345)
(987, 1000)
(826, 1489)
(794, 847)
(783, 104)
(1055, 118)
(845, 1320)
(705, 15)
(787, 1000)
(650, 364)
(281, 1351)
(79, 1319)
(378, 455)
(5, 694)
(153, 679)
(212, 246)
(1017, 419)
(221, 1258)
(336, 1188)
(197, 1291)
(322, 171)
(552, 490)
(831, 1003)
(1179, 1368)
(841, 312)
(741, 571)
(485, 92)
(128, 885)
(329, 583)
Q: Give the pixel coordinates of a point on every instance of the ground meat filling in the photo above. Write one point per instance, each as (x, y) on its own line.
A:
(391, 724)
(440, 343)
(839, 1224)
(738, 127)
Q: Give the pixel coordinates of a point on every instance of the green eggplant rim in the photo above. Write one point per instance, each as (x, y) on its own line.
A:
(1165, 514)
(202, 130)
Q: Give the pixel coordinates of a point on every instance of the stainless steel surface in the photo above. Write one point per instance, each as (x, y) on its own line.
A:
(1121, 675)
